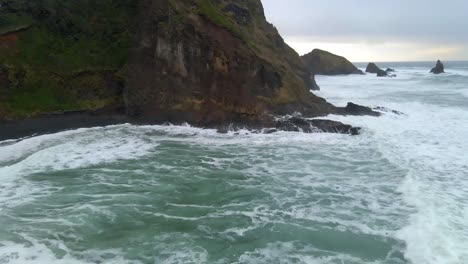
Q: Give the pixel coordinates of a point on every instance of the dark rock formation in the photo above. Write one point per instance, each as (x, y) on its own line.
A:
(387, 110)
(314, 86)
(373, 68)
(390, 70)
(297, 124)
(355, 109)
(439, 68)
(233, 70)
(205, 62)
(325, 63)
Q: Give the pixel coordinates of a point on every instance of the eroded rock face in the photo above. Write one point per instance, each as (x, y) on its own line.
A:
(314, 86)
(326, 63)
(215, 66)
(439, 68)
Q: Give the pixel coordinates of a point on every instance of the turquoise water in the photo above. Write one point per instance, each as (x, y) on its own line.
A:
(155, 194)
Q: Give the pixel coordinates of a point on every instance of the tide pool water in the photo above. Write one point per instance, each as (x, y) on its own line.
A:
(398, 193)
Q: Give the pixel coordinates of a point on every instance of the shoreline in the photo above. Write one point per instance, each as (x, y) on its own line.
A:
(54, 123)
(63, 121)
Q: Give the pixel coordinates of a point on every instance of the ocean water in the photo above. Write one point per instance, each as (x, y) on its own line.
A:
(398, 193)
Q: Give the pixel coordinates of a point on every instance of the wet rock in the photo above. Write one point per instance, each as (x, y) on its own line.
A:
(355, 109)
(270, 130)
(390, 70)
(298, 124)
(313, 84)
(330, 126)
(388, 110)
(439, 68)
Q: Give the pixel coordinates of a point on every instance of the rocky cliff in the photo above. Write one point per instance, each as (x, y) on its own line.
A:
(214, 61)
(206, 62)
(326, 63)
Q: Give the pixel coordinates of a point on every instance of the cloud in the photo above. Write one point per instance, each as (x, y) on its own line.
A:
(441, 27)
(368, 19)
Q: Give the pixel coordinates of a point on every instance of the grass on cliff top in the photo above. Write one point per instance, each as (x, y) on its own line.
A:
(211, 12)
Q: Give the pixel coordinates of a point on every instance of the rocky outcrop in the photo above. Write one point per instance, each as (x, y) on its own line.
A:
(355, 109)
(439, 68)
(297, 124)
(326, 63)
(294, 123)
(373, 68)
(390, 70)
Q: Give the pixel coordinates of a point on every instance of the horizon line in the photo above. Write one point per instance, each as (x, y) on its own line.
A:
(464, 60)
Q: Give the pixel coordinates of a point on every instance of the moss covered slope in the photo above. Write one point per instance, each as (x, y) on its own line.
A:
(60, 55)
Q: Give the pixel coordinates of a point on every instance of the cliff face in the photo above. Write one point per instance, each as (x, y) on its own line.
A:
(210, 61)
(200, 61)
(326, 63)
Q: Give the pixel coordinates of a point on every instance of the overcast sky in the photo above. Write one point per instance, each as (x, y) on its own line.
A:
(375, 30)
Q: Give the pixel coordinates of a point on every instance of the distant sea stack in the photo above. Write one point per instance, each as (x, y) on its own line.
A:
(439, 68)
(325, 63)
(373, 68)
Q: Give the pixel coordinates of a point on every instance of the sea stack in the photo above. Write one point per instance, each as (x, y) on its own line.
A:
(439, 68)
(373, 68)
(325, 63)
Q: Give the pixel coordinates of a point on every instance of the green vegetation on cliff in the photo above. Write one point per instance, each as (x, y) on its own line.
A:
(62, 55)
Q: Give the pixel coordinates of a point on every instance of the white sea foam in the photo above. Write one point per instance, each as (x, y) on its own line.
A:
(403, 179)
(39, 253)
(430, 141)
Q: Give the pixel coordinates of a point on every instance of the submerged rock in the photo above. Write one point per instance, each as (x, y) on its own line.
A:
(294, 123)
(390, 70)
(439, 68)
(388, 110)
(326, 63)
(355, 109)
(299, 124)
